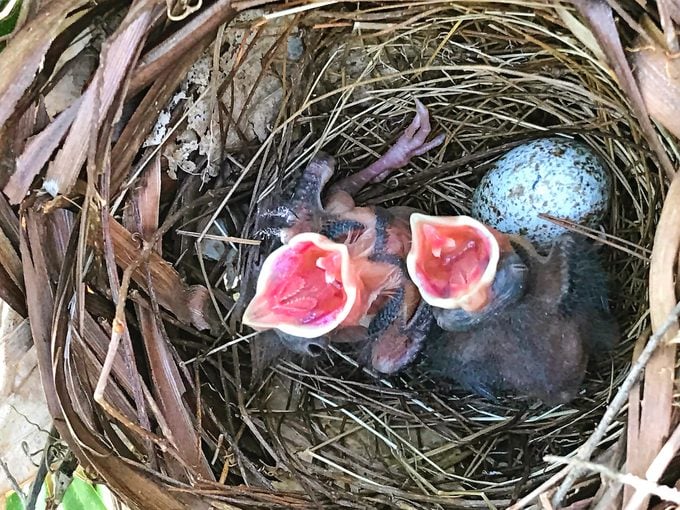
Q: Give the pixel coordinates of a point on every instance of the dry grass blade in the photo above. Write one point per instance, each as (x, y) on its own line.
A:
(224, 239)
(602, 237)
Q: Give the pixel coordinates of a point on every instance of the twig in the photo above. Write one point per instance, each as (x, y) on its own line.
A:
(617, 403)
(598, 236)
(39, 479)
(639, 484)
(657, 467)
(298, 9)
(545, 501)
(549, 483)
(13, 481)
(219, 348)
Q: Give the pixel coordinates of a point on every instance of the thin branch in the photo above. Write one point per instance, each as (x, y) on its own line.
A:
(541, 489)
(586, 451)
(640, 484)
(39, 479)
(13, 481)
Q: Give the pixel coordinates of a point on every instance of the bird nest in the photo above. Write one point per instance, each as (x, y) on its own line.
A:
(152, 254)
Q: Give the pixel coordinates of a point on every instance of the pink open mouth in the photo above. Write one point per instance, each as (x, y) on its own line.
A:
(306, 288)
(453, 260)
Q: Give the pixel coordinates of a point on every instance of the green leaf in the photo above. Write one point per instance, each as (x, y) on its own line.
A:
(81, 495)
(7, 24)
(13, 502)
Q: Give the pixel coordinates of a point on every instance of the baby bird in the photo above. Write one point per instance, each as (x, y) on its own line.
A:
(466, 270)
(386, 306)
(537, 344)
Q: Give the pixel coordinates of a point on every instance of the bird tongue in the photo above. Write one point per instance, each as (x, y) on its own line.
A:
(453, 260)
(306, 288)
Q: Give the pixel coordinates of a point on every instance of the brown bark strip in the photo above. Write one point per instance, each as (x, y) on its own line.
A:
(37, 153)
(657, 397)
(190, 304)
(199, 32)
(168, 385)
(11, 294)
(117, 58)
(24, 54)
(601, 22)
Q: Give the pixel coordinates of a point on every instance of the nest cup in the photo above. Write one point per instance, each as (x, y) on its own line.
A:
(286, 431)
(491, 78)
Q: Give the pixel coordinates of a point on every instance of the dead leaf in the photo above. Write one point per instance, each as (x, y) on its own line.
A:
(659, 375)
(117, 58)
(25, 52)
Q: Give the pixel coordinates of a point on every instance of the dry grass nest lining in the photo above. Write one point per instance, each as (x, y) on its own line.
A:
(490, 79)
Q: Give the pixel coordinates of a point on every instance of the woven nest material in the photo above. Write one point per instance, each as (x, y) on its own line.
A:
(277, 430)
(408, 437)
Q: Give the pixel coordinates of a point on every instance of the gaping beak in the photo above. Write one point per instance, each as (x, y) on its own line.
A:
(453, 260)
(306, 288)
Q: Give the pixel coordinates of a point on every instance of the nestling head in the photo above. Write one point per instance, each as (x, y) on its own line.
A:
(306, 288)
(454, 260)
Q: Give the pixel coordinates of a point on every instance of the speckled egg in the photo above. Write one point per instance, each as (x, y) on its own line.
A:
(555, 176)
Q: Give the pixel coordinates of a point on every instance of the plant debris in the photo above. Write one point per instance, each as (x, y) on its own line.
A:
(188, 130)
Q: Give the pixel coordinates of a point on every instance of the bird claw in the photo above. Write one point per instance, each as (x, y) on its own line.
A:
(411, 143)
(399, 344)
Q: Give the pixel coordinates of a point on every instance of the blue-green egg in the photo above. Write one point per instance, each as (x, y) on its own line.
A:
(556, 176)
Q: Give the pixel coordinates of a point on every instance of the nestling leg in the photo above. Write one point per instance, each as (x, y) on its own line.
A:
(303, 210)
(410, 144)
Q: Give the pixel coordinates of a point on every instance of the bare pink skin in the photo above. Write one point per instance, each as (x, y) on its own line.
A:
(409, 145)
(387, 241)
